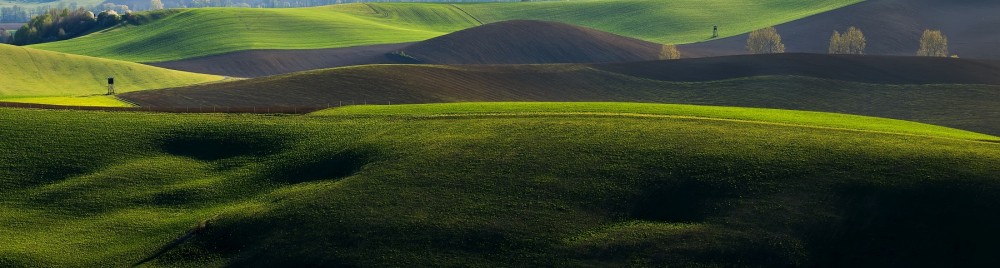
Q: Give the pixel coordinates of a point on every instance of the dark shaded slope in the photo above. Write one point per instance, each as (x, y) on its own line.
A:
(867, 69)
(893, 27)
(971, 107)
(531, 42)
(257, 63)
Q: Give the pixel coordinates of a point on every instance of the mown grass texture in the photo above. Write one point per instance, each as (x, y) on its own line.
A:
(488, 185)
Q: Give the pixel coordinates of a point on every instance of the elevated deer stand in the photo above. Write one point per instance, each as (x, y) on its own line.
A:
(111, 85)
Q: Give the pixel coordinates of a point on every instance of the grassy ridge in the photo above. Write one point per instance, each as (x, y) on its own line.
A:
(201, 32)
(799, 118)
(209, 31)
(30, 72)
(571, 185)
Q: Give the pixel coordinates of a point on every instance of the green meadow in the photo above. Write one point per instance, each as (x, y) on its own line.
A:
(661, 21)
(490, 184)
(209, 31)
(34, 73)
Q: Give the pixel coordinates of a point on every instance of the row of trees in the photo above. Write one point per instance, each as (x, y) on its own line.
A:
(64, 24)
(767, 41)
(21, 14)
(15, 14)
(850, 42)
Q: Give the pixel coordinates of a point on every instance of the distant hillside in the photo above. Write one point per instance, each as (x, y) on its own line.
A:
(892, 27)
(792, 81)
(212, 31)
(509, 42)
(531, 42)
(30, 72)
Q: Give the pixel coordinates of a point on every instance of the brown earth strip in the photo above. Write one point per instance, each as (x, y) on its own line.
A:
(11, 26)
(892, 27)
(780, 83)
(867, 69)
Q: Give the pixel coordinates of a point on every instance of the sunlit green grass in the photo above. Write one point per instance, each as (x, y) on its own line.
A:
(28, 72)
(774, 116)
(200, 32)
(578, 184)
(662, 21)
(208, 31)
(94, 101)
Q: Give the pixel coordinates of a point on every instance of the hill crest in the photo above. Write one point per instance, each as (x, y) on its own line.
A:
(531, 42)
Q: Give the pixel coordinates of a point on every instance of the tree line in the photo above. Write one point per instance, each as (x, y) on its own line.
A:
(64, 24)
(767, 41)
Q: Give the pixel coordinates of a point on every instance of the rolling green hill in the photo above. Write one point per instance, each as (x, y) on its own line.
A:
(30, 72)
(208, 31)
(489, 184)
(662, 21)
(202, 32)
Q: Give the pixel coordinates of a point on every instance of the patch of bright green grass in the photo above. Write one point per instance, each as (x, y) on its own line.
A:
(663, 21)
(28, 72)
(208, 31)
(772, 116)
(573, 185)
(96, 101)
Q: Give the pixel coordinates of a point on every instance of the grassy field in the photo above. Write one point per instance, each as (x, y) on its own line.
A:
(661, 21)
(92, 101)
(201, 32)
(491, 184)
(30, 72)
(209, 31)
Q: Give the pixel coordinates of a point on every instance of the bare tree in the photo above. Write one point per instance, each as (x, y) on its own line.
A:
(836, 43)
(851, 42)
(765, 41)
(933, 44)
(856, 42)
(669, 52)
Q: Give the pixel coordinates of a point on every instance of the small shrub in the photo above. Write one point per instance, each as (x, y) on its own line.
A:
(669, 52)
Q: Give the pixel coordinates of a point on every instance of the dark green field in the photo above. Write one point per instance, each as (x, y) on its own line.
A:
(553, 184)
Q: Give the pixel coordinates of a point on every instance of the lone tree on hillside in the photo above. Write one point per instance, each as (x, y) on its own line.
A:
(851, 42)
(669, 52)
(765, 41)
(933, 44)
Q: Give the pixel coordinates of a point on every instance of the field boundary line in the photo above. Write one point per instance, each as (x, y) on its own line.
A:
(467, 14)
